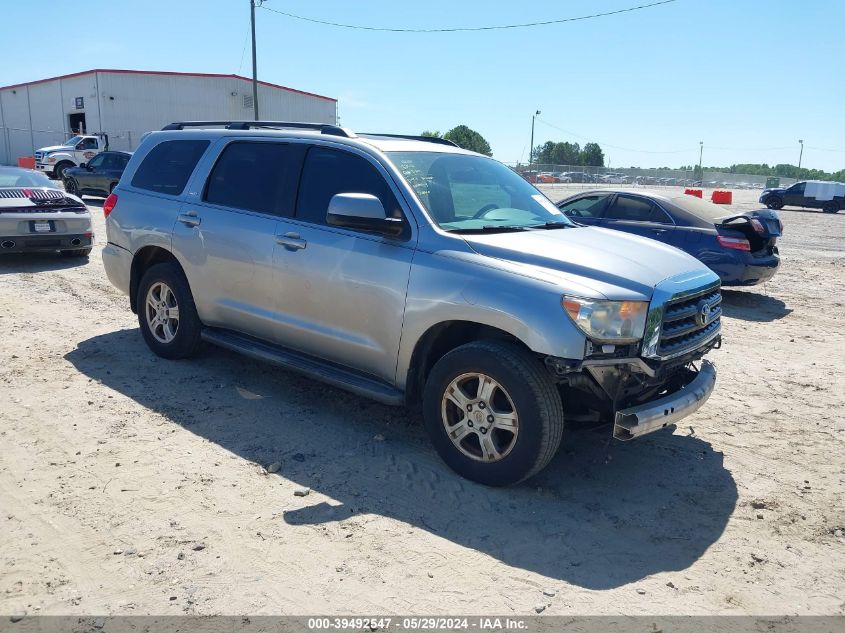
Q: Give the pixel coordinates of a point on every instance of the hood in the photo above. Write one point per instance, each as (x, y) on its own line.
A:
(56, 148)
(773, 190)
(613, 264)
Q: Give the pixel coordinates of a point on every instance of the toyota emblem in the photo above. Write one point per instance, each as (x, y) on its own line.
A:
(703, 313)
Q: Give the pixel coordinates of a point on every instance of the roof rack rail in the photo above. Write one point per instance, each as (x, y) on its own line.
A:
(323, 128)
(410, 137)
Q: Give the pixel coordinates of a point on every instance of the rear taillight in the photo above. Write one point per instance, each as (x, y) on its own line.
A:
(758, 226)
(737, 243)
(109, 205)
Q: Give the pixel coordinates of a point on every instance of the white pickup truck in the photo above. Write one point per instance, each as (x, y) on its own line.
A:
(55, 159)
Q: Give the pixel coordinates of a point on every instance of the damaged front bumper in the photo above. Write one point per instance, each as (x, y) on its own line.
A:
(652, 416)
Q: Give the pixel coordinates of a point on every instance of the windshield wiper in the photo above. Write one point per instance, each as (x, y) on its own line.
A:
(491, 228)
(555, 225)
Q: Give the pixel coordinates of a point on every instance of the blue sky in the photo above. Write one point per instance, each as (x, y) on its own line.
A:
(749, 78)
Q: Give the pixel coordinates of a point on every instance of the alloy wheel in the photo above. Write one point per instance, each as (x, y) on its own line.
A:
(479, 417)
(162, 312)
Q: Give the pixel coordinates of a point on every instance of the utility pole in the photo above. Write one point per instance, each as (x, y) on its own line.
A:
(800, 156)
(700, 156)
(531, 151)
(254, 60)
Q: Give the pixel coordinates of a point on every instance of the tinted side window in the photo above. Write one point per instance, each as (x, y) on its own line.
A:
(256, 177)
(586, 207)
(168, 166)
(97, 161)
(328, 172)
(631, 209)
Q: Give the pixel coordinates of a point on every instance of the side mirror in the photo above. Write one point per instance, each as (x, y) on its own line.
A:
(83, 165)
(364, 212)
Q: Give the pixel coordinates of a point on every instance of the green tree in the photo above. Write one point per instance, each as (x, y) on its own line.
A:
(592, 156)
(467, 138)
(430, 134)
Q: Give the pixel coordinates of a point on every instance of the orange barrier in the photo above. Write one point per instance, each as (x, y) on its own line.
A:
(698, 193)
(722, 197)
(27, 162)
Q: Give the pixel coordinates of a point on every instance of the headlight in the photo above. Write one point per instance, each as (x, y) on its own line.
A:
(608, 321)
(51, 159)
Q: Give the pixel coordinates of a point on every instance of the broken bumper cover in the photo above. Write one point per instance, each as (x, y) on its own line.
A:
(653, 416)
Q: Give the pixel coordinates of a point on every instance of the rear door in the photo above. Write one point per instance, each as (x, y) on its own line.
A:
(113, 167)
(225, 236)
(639, 215)
(341, 292)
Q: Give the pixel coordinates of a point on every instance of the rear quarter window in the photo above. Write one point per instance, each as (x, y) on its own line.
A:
(168, 166)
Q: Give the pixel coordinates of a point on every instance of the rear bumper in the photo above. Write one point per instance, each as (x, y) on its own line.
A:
(652, 416)
(118, 264)
(44, 243)
(748, 270)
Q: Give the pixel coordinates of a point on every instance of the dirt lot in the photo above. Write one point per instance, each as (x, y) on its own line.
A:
(133, 485)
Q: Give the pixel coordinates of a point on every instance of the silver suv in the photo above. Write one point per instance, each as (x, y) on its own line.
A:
(408, 270)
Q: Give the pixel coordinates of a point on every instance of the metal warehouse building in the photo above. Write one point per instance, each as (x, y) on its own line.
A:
(126, 103)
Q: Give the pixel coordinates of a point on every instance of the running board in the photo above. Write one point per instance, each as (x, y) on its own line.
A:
(316, 368)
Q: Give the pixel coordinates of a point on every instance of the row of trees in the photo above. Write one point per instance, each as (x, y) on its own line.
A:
(783, 170)
(591, 155)
(551, 153)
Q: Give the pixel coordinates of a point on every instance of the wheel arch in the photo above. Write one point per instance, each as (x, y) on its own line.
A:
(143, 260)
(442, 338)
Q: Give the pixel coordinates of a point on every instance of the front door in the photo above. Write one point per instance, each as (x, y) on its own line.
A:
(91, 180)
(639, 215)
(587, 209)
(341, 292)
(794, 196)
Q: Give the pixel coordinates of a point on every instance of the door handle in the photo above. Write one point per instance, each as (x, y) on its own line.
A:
(291, 241)
(189, 219)
(659, 231)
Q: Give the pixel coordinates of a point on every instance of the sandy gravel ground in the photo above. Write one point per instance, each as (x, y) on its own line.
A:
(134, 485)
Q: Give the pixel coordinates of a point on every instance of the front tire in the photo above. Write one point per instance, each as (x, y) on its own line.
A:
(167, 314)
(493, 412)
(831, 207)
(775, 203)
(71, 186)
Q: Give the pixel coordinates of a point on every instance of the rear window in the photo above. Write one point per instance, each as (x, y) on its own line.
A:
(701, 208)
(168, 166)
(256, 177)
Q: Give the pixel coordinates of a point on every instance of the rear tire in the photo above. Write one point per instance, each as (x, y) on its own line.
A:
(493, 412)
(167, 314)
(77, 252)
(775, 203)
(831, 207)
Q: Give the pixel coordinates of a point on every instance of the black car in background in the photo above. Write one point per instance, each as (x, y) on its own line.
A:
(98, 176)
(810, 194)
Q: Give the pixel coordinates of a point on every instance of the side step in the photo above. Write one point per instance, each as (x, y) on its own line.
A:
(316, 368)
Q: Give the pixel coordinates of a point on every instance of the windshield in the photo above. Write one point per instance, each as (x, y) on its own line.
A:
(14, 177)
(73, 141)
(463, 192)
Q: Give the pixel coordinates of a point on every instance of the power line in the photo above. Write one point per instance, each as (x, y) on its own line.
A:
(496, 27)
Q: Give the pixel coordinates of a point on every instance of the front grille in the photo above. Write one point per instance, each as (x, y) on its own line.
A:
(39, 156)
(690, 321)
